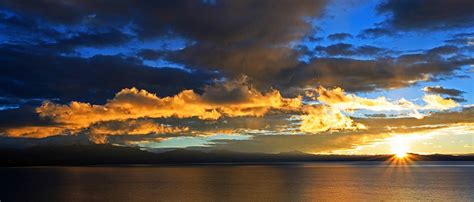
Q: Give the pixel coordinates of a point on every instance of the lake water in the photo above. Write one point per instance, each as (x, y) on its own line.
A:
(439, 181)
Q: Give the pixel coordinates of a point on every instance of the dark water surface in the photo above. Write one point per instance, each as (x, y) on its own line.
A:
(439, 181)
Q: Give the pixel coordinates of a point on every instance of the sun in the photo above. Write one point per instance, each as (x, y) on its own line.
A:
(399, 148)
(400, 154)
(400, 151)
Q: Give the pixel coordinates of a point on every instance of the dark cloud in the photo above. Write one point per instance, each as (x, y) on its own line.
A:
(451, 93)
(428, 14)
(25, 29)
(315, 39)
(149, 54)
(387, 70)
(444, 91)
(368, 75)
(375, 33)
(348, 50)
(233, 37)
(222, 40)
(370, 50)
(259, 62)
(234, 46)
(339, 36)
(28, 30)
(336, 49)
(457, 99)
(24, 116)
(461, 39)
(444, 50)
(88, 39)
(27, 76)
(223, 21)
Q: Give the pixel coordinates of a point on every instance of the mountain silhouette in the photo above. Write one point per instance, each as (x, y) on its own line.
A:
(119, 155)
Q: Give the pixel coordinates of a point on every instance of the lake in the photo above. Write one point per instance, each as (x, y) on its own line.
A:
(282, 182)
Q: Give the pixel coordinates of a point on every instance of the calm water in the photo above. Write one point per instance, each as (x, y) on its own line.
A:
(295, 182)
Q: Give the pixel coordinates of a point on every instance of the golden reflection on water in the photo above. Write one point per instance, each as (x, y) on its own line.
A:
(397, 180)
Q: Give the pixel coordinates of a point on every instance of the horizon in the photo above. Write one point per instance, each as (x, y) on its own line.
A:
(122, 156)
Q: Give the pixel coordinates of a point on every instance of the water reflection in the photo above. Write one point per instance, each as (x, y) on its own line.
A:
(299, 182)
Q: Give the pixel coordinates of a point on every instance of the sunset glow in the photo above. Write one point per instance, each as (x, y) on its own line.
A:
(328, 77)
(399, 147)
(236, 100)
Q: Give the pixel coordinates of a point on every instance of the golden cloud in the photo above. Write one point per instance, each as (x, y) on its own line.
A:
(130, 111)
(99, 132)
(325, 118)
(34, 131)
(337, 98)
(132, 104)
(438, 102)
(335, 102)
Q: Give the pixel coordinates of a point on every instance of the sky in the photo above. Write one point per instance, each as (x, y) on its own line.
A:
(316, 76)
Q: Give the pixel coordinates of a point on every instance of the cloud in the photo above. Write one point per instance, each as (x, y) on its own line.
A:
(356, 75)
(235, 37)
(438, 102)
(444, 50)
(201, 20)
(450, 93)
(462, 39)
(339, 36)
(325, 118)
(258, 62)
(349, 50)
(48, 76)
(376, 33)
(444, 91)
(106, 38)
(102, 98)
(330, 116)
(99, 132)
(34, 131)
(134, 103)
(219, 42)
(134, 115)
(428, 14)
(336, 98)
(131, 103)
(149, 54)
(331, 141)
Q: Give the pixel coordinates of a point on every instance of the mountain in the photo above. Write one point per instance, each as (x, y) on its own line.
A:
(116, 155)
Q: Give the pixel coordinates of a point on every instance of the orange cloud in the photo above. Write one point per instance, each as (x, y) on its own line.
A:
(133, 127)
(127, 112)
(131, 104)
(98, 133)
(325, 118)
(34, 131)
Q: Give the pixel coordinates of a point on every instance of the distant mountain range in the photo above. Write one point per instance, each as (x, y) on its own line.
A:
(116, 155)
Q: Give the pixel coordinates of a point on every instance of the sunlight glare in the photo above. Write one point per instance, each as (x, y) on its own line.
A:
(401, 154)
(399, 148)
